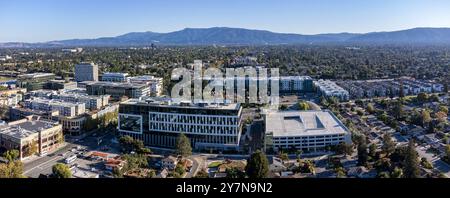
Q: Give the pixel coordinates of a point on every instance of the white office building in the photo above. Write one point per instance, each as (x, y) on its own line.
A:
(310, 131)
(155, 84)
(66, 109)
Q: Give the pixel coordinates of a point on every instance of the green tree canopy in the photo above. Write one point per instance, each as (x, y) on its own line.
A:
(388, 146)
(11, 155)
(60, 170)
(411, 162)
(257, 165)
(183, 146)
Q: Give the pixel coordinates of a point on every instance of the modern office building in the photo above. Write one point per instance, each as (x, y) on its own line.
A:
(117, 90)
(159, 121)
(310, 131)
(31, 136)
(86, 72)
(329, 89)
(34, 81)
(155, 84)
(60, 84)
(115, 77)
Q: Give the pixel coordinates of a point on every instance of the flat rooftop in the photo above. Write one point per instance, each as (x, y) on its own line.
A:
(303, 123)
(26, 129)
(115, 84)
(167, 102)
(36, 75)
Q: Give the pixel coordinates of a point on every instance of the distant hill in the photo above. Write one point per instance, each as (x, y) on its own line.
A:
(240, 36)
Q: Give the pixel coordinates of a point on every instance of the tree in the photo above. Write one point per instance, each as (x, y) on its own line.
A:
(388, 146)
(11, 155)
(411, 162)
(443, 109)
(202, 174)
(234, 173)
(422, 97)
(398, 110)
(370, 108)
(180, 169)
(425, 117)
(129, 144)
(362, 154)
(60, 170)
(425, 163)
(303, 106)
(284, 156)
(135, 161)
(345, 149)
(373, 150)
(257, 165)
(446, 158)
(12, 169)
(126, 143)
(183, 146)
(397, 173)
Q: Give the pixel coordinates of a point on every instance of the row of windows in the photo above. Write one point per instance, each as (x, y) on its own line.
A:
(206, 129)
(308, 137)
(306, 141)
(183, 118)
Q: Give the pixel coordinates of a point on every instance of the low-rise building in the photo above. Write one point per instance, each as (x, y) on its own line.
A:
(115, 77)
(34, 81)
(60, 84)
(31, 136)
(309, 131)
(155, 84)
(329, 89)
(67, 109)
(117, 90)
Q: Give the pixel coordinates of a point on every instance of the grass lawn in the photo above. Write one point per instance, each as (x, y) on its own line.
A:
(4, 78)
(214, 164)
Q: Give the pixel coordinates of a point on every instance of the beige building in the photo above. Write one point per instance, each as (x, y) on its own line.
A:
(31, 136)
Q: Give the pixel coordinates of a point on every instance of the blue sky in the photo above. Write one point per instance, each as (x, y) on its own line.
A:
(45, 20)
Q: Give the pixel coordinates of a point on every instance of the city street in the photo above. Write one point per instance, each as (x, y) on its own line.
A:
(43, 165)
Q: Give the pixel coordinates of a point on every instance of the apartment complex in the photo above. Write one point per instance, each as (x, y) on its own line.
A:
(31, 136)
(389, 87)
(159, 121)
(86, 72)
(310, 131)
(329, 89)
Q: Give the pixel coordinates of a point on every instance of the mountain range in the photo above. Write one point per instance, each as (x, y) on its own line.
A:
(240, 36)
